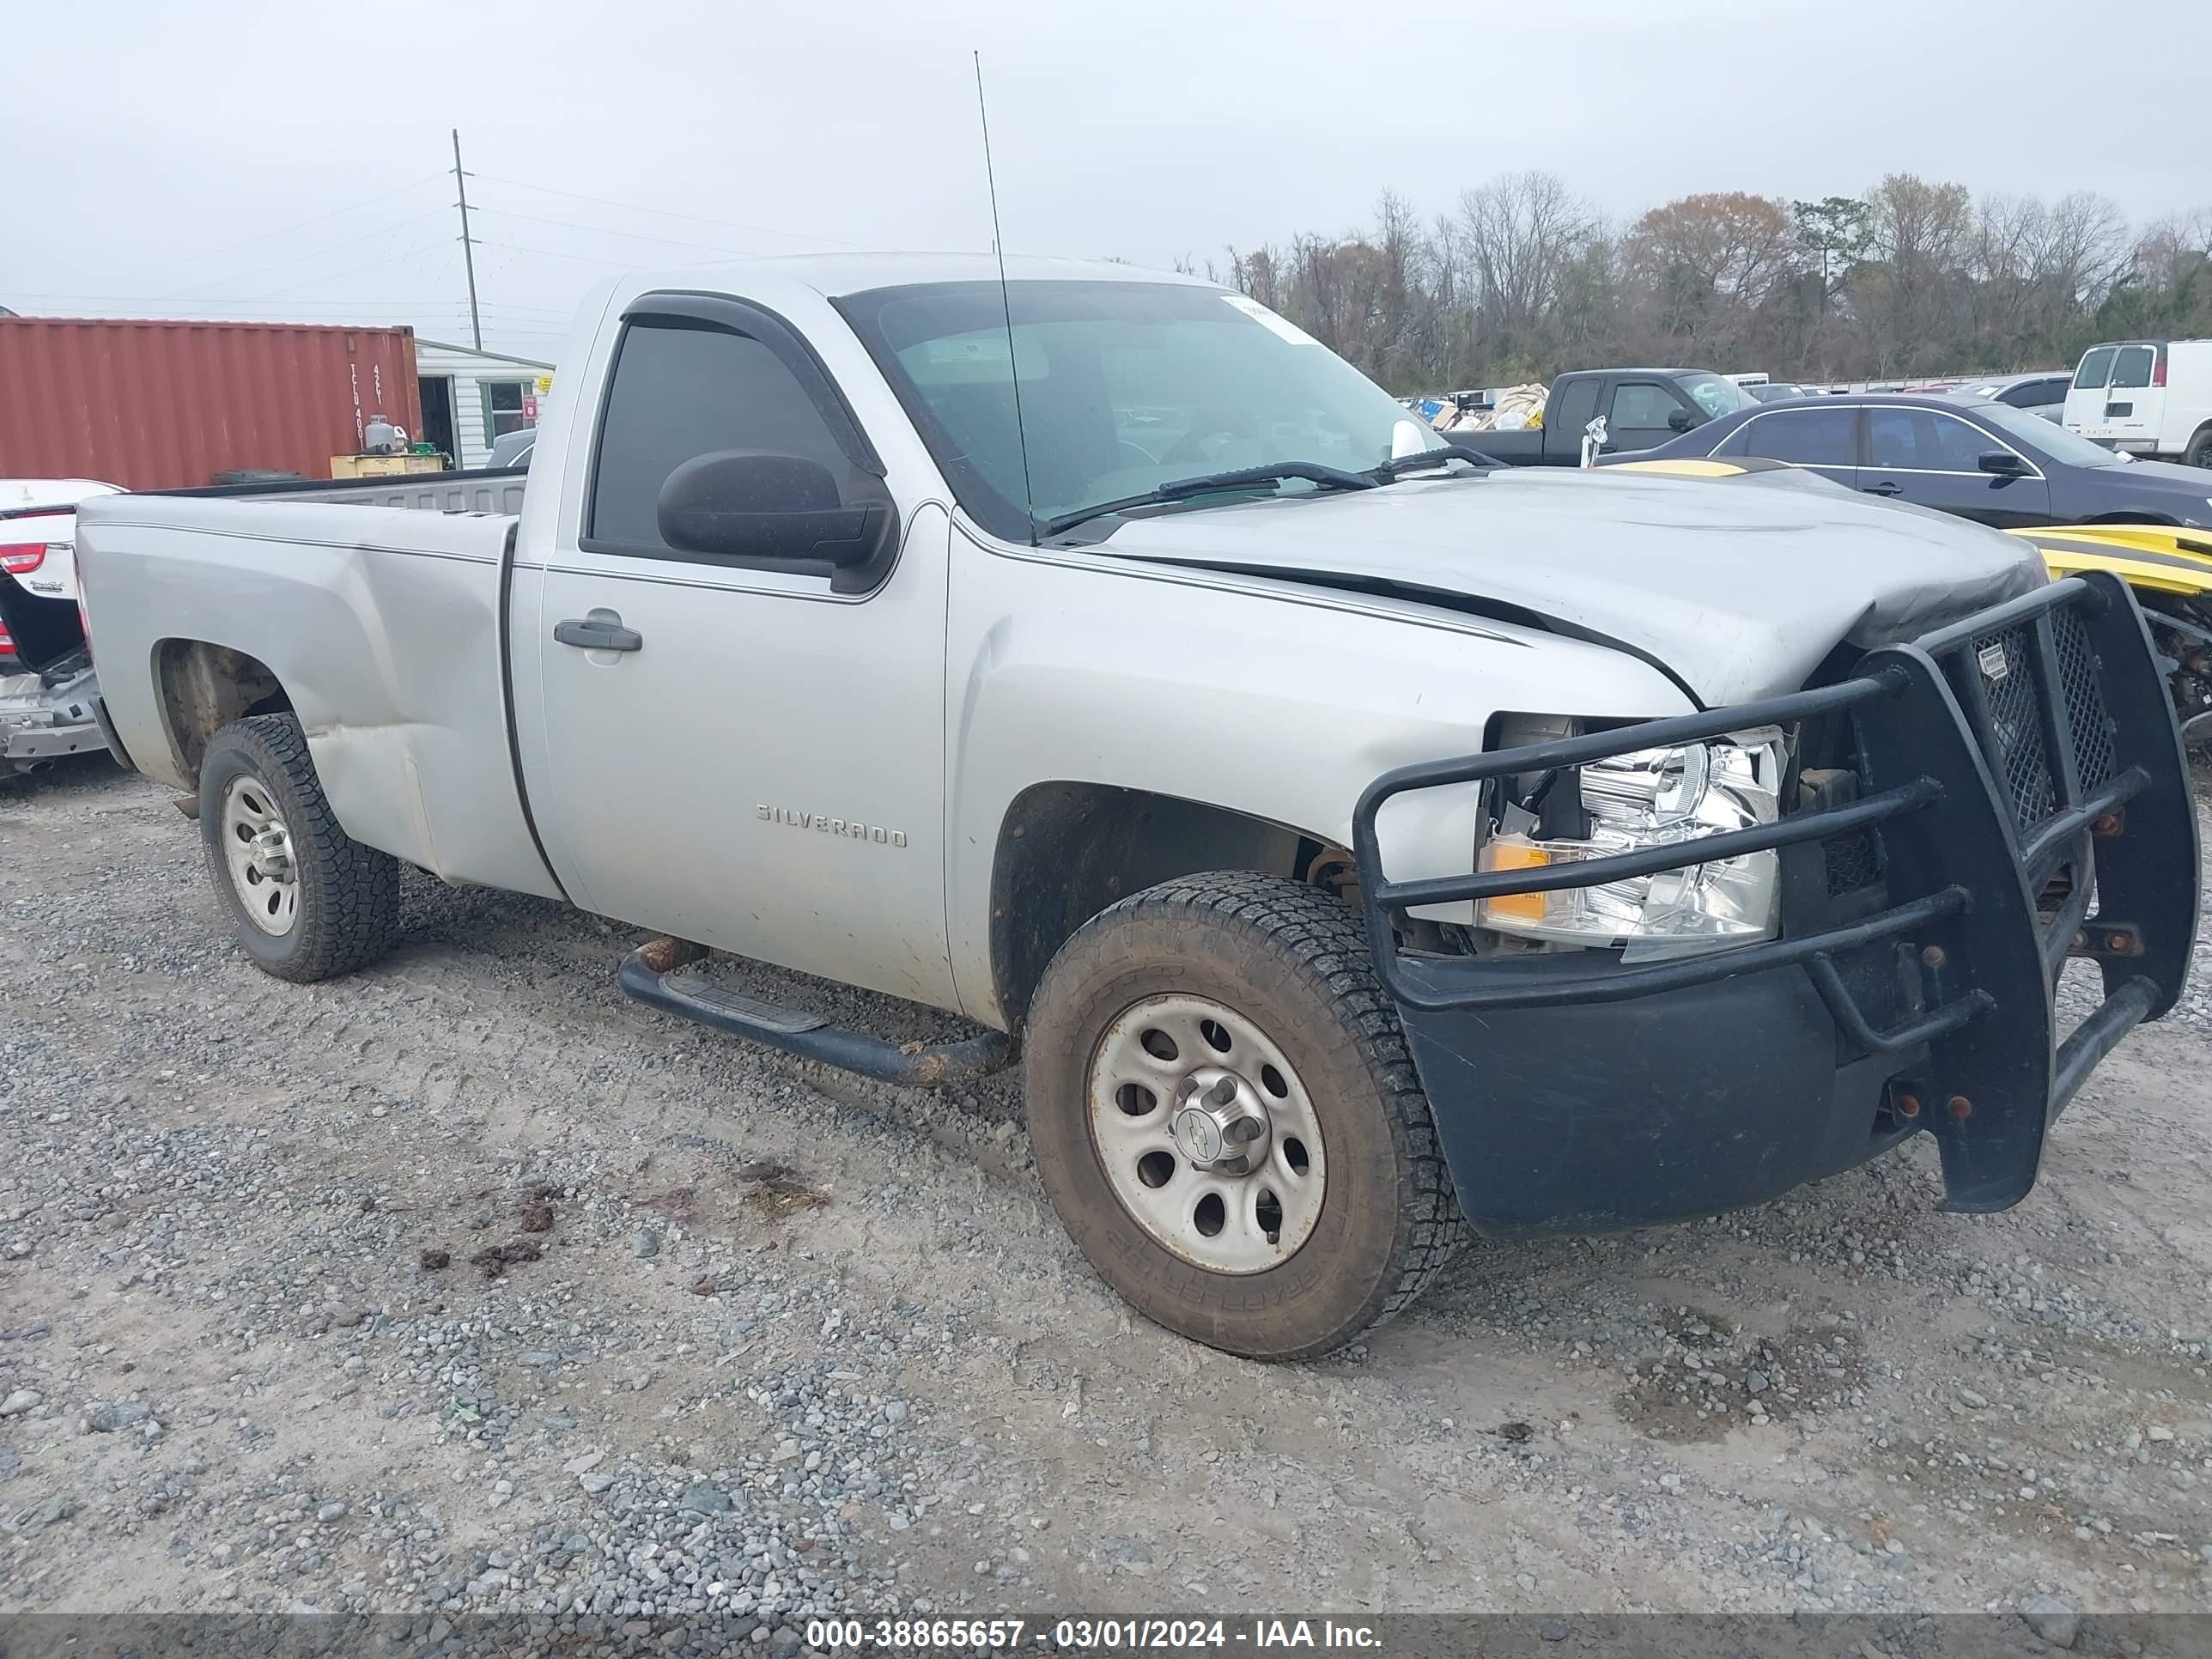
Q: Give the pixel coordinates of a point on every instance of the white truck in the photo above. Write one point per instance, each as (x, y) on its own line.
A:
(1359, 845)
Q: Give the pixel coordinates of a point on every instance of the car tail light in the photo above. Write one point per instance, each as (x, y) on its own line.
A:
(7, 641)
(2158, 367)
(22, 558)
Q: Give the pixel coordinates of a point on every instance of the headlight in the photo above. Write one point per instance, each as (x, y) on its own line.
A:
(1653, 798)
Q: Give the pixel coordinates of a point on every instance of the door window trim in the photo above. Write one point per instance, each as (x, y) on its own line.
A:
(722, 313)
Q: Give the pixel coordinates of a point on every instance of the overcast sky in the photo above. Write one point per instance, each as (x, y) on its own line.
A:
(156, 161)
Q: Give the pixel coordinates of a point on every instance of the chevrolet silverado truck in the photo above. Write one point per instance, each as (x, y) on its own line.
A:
(1359, 846)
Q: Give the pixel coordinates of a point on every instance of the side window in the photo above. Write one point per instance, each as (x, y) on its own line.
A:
(1578, 409)
(1640, 406)
(1893, 439)
(1737, 442)
(1956, 445)
(2035, 394)
(2131, 367)
(680, 392)
(1809, 437)
(2096, 370)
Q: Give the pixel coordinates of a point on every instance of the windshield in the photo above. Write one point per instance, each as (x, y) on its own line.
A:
(1123, 386)
(2046, 439)
(1714, 395)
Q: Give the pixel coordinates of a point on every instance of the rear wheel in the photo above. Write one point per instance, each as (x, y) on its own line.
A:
(2199, 452)
(307, 901)
(1228, 1122)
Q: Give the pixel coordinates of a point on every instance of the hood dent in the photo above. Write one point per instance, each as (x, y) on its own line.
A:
(1735, 589)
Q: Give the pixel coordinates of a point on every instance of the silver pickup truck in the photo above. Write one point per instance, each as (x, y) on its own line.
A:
(1360, 845)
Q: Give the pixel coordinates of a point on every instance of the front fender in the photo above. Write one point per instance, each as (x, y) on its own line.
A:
(1269, 698)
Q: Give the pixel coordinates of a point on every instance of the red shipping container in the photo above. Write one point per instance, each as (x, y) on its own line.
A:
(165, 405)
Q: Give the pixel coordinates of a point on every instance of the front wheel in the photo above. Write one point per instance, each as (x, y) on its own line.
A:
(308, 901)
(1227, 1119)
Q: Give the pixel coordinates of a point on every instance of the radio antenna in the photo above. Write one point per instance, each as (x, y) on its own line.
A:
(1005, 305)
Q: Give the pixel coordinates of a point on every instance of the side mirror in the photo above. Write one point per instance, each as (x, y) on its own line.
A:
(758, 504)
(2003, 462)
(1682, 420)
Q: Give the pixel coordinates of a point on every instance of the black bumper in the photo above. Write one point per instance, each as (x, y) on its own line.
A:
(2009, 764)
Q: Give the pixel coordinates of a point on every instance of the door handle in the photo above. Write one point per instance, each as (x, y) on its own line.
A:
(1884, 488)
(600, 631)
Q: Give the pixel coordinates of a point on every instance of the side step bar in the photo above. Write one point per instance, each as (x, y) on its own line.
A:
(651, 974)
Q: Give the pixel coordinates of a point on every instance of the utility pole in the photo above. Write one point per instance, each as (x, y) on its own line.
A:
(468, 247)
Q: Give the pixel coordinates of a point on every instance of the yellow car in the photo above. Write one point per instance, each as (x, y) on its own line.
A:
(2169, 568)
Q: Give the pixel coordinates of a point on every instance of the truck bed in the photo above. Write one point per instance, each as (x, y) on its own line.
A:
(379, 604)
(497, 489)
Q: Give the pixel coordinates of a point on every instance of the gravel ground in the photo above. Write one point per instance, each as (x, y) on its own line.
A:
(466, 1285)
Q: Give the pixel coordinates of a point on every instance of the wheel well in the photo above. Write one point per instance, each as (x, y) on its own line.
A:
(204, 687)
(1067, 850)
(2130, 518)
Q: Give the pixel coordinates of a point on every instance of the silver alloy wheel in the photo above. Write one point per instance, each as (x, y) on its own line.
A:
(257, 849)
(1206, 1134)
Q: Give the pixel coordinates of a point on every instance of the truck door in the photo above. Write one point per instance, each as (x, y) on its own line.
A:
(735, 750)
(1641, 416)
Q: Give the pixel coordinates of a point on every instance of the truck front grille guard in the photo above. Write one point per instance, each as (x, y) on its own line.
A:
(2007, 741)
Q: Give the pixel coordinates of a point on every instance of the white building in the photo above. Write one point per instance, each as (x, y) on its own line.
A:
(470, 398)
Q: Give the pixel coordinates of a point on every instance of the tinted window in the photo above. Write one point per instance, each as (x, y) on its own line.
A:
(2131, 367)
(2033, 394)
(1640, 406)
(679, 392)
(1919, 440)
(1810, 437)
(2096, 368)
(1578, 409)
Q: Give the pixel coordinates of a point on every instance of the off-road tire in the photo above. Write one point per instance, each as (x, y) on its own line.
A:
(348, 893)
(1293, 961)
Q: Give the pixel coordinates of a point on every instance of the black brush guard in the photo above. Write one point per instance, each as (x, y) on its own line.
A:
(2010, 763)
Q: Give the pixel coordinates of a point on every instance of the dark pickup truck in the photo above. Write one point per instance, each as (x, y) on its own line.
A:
(1643, 408)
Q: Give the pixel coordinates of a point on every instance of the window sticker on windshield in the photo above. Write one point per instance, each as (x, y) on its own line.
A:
(966, 349)
(1267, 320)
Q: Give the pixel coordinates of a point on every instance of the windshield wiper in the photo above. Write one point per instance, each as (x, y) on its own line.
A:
(1398, 467)
(1328, 477)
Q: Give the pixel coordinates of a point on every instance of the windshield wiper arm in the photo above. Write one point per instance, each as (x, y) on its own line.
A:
(1398, 467)
(1328, 477)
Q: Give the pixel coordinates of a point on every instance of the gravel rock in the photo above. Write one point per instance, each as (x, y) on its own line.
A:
(2052, 1619)
(20, 1401)
(914, 1398)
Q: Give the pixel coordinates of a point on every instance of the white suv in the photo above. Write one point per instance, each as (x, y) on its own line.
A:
(2151, 397)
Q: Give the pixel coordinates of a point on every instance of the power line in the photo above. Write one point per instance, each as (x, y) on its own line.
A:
(301, 259)
(232, 247)
(671, 213)
(601, 230)
(556, 253)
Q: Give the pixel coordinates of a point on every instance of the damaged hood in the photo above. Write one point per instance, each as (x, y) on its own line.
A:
(1739, 586)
